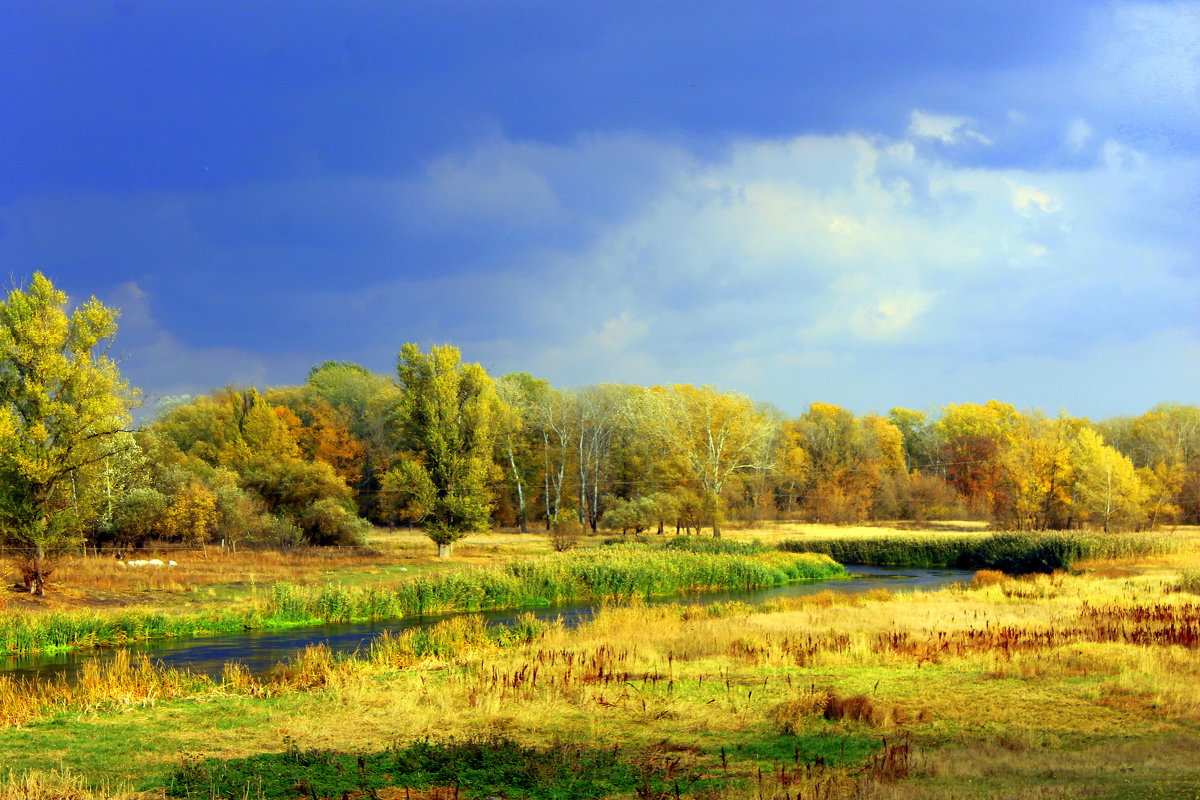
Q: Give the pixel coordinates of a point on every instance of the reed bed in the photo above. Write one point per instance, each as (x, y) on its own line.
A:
(120, 682)
(1016, 553)
(614, 574)
(70, 630)
(705, 544)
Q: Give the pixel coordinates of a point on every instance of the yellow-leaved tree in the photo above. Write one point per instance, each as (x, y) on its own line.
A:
(63, 411)
(715, 435)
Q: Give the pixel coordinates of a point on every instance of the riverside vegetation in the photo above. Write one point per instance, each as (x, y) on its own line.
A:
(1064, 685)
(611, 574)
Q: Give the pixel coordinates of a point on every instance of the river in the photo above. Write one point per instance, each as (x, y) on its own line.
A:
(262, 650)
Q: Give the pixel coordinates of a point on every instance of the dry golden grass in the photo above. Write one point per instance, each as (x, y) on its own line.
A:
(58, 784)
(1077, 716)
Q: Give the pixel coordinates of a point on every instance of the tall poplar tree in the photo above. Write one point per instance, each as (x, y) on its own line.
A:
(448, 416)
(63, 411)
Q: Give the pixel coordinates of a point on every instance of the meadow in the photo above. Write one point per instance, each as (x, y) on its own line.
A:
(1080, 684)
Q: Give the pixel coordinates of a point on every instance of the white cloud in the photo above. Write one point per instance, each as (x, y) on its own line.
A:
(850, 268)
(620, 332)
(1147, 55)
(891, 316)
(834, 254)
(1028, 200)
(944, 128)
(1118, 156)
(1079, 133)
(481, 185)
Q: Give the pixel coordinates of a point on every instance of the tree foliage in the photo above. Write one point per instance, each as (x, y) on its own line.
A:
(64, 412)
(448, 413)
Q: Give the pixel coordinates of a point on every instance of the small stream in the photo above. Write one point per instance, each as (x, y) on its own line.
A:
(262, 650)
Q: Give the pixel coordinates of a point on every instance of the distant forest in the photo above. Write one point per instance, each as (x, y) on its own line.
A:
(443, 445)
(290, 463)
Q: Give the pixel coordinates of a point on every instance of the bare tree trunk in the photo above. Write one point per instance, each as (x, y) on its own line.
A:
(512, 462)
(582, 484)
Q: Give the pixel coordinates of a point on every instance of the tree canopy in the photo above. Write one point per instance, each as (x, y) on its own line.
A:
(64, 411)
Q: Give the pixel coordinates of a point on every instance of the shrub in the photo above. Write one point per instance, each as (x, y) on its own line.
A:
(330, 522)
(138, 514)
(564, 533)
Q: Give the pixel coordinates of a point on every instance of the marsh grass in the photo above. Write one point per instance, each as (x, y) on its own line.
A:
(613, 574)
(117, 683)
(1016, 553)
(1045, 686)
(803, 697)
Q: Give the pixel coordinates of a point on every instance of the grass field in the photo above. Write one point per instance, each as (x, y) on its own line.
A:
(1067, 685)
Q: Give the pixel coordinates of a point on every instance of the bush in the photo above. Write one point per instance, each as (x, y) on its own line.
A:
(564, 533)
(1189, 581)
(330, 522)
(138, 515)
(282, 532)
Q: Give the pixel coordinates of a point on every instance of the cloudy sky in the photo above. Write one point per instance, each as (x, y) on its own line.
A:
(871, 204)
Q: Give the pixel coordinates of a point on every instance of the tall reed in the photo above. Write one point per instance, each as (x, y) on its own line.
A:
(613, 574)
(1010, 552)
(61, 631)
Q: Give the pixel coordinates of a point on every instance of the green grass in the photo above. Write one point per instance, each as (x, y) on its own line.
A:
(706, 544)
(1016, 553)
(60, 631)
(612, 574)
(501, 767)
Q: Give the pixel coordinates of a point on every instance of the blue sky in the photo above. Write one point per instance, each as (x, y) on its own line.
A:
(871, 204)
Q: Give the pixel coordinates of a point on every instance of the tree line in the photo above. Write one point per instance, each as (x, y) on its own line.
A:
(446, 446)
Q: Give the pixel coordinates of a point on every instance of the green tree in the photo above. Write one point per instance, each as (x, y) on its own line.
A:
(448, 415)
(63, 410)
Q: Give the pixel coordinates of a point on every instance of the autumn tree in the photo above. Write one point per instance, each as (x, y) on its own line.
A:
(243, 448)
(972, 438)
(366, 404)
(550, 416)
(63, 411)
(848, 460)
(1037, 474)
(1108, 492)
(519, 394)
(448, 415)
(597, 414)
(715, 435)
